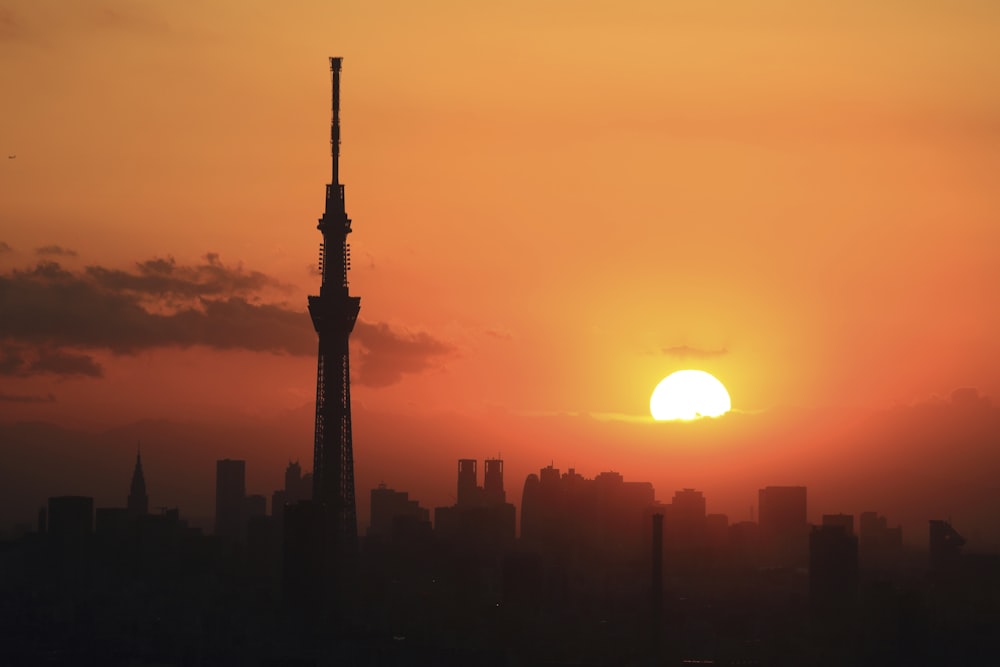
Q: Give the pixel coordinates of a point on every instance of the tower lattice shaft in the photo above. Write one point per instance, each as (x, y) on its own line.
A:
(334, 313)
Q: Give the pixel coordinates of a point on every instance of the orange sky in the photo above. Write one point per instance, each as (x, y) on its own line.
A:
(553, 207)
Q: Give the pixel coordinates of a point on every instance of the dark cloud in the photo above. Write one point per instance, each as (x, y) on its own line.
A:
(55, 250)
(51, 318)
(686, 352)
(159, 304)
(162, 277)
(500, 334)
(5, 248)
(26, 398)
(12, 360)
(960, 401)
(385, 354)
(20, 360)
(970, 398)
(65, 363)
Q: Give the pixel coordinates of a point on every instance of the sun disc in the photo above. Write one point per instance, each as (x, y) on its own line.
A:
(688, 395)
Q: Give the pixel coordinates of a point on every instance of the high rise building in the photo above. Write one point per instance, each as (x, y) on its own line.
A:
(468, 487)
(493, 482)
(833, 568)
(230, 495)
(296, 485)
(563, 514)
(945, 546)
(716, 531)
(684, 520)
(138, 501)
(293, 475)
(255, 506)
(845, 521)
(278, 500)
(395, 515)
(881, 547)
(784, 532)
(532, 524)
(334, 312)
(478, 522)
(656, 580)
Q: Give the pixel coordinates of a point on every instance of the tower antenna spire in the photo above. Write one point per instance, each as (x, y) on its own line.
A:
(335, 64)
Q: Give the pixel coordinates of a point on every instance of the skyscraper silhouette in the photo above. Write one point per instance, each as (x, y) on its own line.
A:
(880, 547)
(334, 313)
(493, 482)
(684, 520)
(138, 501)
(833, 566)
(230, 495)
(945, 546)
(783, 527)
(468, 487)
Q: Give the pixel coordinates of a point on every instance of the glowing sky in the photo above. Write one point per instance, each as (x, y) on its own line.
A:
(555, 205)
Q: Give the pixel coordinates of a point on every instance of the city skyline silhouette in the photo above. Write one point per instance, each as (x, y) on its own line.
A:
(600, 549)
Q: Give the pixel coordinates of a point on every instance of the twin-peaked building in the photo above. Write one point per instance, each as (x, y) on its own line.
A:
(481, 520)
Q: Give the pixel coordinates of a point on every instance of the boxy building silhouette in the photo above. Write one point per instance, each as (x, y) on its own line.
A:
(230, 499)
(784, 532)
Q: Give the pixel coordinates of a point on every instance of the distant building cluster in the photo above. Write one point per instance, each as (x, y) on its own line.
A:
(72, 520)
(591, 545)
(567, 512)
(564, 516)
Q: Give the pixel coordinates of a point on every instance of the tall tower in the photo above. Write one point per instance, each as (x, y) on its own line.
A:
(334, 313)
(138, 501)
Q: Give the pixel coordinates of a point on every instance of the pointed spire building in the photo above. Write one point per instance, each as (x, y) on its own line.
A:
(138, 501)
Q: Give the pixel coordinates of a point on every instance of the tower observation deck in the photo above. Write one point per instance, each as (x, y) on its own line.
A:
(334, 313)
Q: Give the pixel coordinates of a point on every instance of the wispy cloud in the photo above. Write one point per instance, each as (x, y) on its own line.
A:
(162, 277)
(501, 334)
(21, 360)
(688, 352)
(27, 398)
(55, 251)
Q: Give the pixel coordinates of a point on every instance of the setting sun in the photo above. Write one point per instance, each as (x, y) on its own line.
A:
(689, 395)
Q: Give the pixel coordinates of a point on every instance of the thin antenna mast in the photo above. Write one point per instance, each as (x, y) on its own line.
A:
(335, 122)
